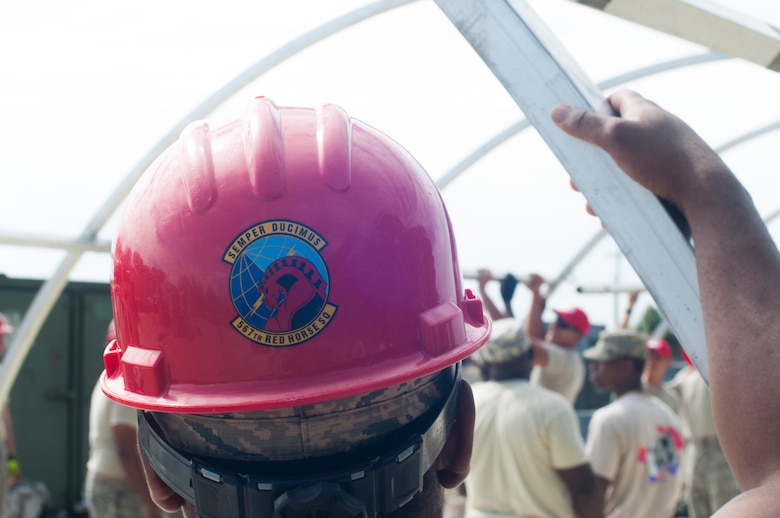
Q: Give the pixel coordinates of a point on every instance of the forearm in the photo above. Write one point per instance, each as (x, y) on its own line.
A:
(493, 312)
(130, 457)
(135, 476)
(587, 499)
(9, 430)
(587, 496)
(588, 505)
(533, 322)
(626, 317)
(739, 280)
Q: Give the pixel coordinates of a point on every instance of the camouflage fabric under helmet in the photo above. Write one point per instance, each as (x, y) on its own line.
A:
(309, 430)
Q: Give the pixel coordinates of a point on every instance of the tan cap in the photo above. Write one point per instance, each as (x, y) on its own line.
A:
(508, 340)
(618, 344)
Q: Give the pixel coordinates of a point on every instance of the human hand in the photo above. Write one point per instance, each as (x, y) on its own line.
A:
(534, 282)
(483, 276)
(652, 146)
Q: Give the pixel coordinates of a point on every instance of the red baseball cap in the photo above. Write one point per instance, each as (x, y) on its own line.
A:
(660, 346)
(576, 318)
(686, 357)
(5, 327)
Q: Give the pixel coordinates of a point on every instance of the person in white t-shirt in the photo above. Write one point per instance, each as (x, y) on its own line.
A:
(634, 443)
(528, 457)
(115, 486)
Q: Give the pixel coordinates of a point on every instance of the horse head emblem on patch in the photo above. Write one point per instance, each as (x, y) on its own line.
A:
(279, 283)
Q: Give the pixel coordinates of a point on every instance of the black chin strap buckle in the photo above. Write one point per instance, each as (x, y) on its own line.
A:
(217, 494)
(381, 486)
(307, 500)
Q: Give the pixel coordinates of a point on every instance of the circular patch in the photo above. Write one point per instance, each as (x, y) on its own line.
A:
(279, 283)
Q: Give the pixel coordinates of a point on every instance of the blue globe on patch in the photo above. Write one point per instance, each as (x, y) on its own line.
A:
(278, 252)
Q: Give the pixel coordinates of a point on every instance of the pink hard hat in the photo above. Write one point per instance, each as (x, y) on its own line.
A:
(293, 257)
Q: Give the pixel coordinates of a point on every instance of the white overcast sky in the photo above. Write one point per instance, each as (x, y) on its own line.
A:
(88, 87)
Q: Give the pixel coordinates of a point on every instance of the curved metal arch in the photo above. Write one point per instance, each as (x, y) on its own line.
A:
(617, 80)
(52, 288)
(748, 137)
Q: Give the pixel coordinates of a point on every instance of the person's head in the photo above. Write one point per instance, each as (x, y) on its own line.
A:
(617, 361)
(5, 329)
(568, 328)
(508, 353)
(659, 359)
(290, 319)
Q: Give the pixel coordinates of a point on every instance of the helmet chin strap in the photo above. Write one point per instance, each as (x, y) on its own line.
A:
(380, 483)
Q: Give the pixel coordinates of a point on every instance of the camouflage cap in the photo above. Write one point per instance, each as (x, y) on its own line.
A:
(508, 340)
(618, 344)
(306, 431)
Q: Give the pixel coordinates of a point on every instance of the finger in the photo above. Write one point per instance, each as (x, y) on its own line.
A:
(582, 124)
(623, 102)
(573, 186)
(162, 495)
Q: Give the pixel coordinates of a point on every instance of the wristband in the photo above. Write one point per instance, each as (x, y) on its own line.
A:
(13, 467)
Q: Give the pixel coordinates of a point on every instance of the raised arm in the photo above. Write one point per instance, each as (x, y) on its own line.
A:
(533, 322)
(487, 302)
(632, 297)
(739, 279)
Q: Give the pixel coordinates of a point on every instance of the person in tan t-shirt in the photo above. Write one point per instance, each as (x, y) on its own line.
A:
(709, 481)
(659, 359)
(634, 443)
(528, 457)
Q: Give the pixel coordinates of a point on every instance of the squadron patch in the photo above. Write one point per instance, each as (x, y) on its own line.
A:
(279, 283)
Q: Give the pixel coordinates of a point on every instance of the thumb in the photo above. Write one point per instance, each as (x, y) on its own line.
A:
(579, 123)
